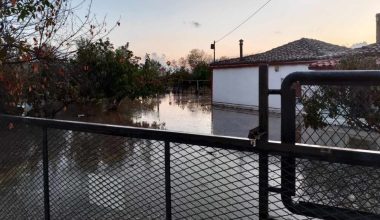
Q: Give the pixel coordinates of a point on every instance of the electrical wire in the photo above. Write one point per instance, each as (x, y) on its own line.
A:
(247, 19)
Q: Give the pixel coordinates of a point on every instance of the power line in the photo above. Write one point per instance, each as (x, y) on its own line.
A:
(253, 14)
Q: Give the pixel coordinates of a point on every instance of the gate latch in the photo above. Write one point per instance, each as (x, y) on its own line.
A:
(254, 135)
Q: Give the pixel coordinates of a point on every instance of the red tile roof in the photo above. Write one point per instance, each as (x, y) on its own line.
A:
(299, 51)
(324, 64)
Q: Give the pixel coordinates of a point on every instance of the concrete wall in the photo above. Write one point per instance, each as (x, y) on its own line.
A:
(239, 86)
(235, 86)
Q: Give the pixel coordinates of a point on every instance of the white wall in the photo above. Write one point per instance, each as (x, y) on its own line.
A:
(235, 86)
(239, 86)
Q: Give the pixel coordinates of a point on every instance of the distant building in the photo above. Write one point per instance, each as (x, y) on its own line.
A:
(235, 81)
(372, 50)
(339, 133)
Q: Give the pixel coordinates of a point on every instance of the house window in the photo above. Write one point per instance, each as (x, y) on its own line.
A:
(276, 68)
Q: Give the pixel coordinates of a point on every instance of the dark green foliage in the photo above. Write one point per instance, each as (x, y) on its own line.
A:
(148, 80)
(358, 63)
(202, 71)
(106, 73)
(358, 106)
(25, 8)
(40, 66)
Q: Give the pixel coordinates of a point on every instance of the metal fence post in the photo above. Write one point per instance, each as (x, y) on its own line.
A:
(288, 136)
(263, 128)
(45, 163)
(168, 196)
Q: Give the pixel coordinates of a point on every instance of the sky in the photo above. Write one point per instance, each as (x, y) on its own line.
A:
(171, 28)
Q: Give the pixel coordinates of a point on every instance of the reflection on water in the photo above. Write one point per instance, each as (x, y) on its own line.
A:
(235, 122)
(187, 113)
(106, 177)
(177, 112)
(340, 185)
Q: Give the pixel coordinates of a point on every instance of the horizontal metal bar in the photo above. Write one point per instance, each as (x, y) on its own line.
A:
(346, 78)
(274, 91)
(322, 153)
(316, 152)
(331, 154)
(274, 189)
(291, 151)
(328, 212)
(223, 142)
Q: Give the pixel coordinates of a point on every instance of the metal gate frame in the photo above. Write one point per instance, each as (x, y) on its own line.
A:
(290, 150)
(287, 149)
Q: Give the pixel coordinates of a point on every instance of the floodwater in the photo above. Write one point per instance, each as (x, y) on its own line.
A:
(95, 176)
(107, 177)
(185, 113)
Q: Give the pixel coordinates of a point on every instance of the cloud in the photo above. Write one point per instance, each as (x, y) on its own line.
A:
(358, 45)
(195, 24)
(277, 32)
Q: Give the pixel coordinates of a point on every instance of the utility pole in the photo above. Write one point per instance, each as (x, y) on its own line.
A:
(213, 48)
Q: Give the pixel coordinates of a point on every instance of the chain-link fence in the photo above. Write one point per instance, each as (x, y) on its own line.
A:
(212, 183)
(107, 177)
(338, 113)
(339, 116)
(94, 175)
(71, 170)
(21, 179)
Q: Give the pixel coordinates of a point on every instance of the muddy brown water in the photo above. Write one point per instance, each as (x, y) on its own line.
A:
(106, 177)
(184, 113)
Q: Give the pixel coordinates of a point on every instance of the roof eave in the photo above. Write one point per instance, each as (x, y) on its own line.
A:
(272, 63)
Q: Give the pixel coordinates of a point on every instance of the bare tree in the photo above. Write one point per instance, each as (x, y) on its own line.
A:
(45, 29)
(37, 38)
(196, 57)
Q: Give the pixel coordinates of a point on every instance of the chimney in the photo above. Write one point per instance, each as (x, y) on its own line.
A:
(378, 28)
(241, 47)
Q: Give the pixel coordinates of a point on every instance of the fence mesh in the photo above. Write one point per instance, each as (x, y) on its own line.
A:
(21, 184)
(211, 183)
(339, 116)
(338, 185)
(96, 176)
(327, 190)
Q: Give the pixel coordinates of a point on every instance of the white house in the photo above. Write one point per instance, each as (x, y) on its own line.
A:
(235, 81)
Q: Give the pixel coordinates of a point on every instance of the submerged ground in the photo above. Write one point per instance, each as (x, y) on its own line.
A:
(184, 112)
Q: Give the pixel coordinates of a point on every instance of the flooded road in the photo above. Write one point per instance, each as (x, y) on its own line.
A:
(185, 113)
(108, 177)
(96, 176)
